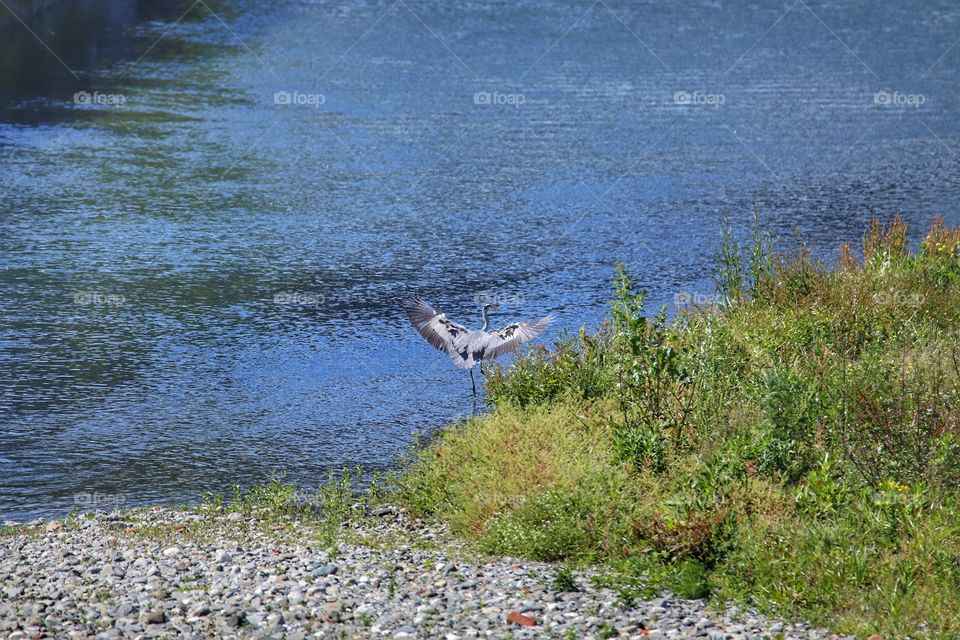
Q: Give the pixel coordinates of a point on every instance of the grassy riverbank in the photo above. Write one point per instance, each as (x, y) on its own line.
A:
(795, 446)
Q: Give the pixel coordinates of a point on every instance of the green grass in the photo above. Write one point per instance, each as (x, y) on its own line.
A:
(279, 509)
(282, 505)
(16, 530)
(796, 448)
(564, 581)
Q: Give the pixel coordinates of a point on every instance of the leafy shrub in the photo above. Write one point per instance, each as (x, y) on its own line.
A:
(823, 493)
(738, 277)
(900, 412)
(790, 406)
(575, 369)
(643, 445)
(552, 525)
(654, 383)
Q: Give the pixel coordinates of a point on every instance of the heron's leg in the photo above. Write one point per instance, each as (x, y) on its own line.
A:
(473, 383)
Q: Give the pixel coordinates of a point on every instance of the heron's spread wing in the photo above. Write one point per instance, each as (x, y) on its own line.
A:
(434, 326)
(513, 335)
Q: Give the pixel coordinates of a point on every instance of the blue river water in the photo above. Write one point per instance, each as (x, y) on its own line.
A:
(212, 211)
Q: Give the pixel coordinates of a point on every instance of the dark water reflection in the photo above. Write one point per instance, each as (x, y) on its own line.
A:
(201, 285)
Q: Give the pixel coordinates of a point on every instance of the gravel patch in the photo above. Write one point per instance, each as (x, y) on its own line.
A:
(162, 573)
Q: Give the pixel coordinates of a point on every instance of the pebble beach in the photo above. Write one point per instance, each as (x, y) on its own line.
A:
(184, 573)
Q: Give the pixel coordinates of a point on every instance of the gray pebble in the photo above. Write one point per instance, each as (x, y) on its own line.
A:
(156, 616)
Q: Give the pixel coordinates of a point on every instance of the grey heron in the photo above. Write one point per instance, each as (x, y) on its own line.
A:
(467, 348)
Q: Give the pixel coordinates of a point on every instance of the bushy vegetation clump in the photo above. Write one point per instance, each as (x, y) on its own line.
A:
(795, 446)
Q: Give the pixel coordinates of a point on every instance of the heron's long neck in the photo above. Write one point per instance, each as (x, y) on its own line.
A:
(485, 320)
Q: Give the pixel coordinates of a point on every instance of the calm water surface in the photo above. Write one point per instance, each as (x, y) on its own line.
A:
(203, 255)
